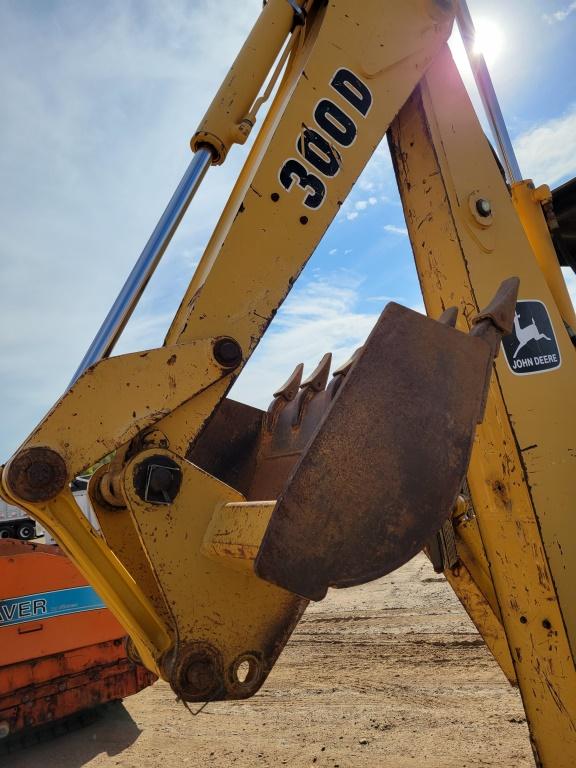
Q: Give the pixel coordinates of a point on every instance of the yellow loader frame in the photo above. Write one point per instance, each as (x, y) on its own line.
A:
(346, 72)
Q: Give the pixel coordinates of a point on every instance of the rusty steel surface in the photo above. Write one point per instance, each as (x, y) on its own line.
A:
(37, 474)
(227, 446)
(387, 462)
(55, 666)
(102, 674)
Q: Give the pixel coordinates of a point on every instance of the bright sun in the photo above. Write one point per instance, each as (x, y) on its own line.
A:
(489, 40)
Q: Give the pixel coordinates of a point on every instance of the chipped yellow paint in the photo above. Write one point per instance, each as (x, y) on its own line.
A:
(261, 243)
(481, 613)
(230, 609)
(522, 474)
(528, 203)
(520, 560)
(236, 530)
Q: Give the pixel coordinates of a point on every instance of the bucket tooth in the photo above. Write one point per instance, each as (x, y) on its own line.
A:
(311, 387)
(318, 378)
(341, 371)
(290, 388)
(284, 395)
(500, 311)
(493, 322)
(345, 367)
(449, 317)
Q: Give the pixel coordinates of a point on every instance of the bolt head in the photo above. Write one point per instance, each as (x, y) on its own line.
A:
(161, 479)
(484, 207)
(200, 675)
(157, 479)
(196, 674)
(228, 353)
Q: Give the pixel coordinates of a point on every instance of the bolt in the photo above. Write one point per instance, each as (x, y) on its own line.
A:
(157, 479)
(547, 624)
(200, 675)
(161, 479)
(275, 197)
(227, 353)
(196, 675)
(484, 207)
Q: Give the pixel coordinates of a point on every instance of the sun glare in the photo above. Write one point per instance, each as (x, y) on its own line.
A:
(489, 40)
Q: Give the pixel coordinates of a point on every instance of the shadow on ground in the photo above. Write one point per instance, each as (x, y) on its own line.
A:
(112, 731)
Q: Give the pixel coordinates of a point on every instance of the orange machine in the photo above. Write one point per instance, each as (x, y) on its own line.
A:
(61, 651)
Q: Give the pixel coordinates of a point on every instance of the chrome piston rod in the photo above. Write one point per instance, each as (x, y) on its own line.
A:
(488, 94)
(149, 259)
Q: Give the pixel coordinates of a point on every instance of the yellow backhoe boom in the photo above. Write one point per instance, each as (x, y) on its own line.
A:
(219, 522)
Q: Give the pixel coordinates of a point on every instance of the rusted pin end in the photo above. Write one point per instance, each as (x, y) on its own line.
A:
(36, 474)
(227, 353)
(449, 317)
(197, 673)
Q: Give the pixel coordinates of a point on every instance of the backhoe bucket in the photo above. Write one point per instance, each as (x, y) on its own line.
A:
(386, 463)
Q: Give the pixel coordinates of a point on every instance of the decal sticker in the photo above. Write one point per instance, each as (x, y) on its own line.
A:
(47, 605)
(317, 147)
(532, 346)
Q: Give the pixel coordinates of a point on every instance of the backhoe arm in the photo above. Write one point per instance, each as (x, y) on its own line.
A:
(219, 521)
(349, 70)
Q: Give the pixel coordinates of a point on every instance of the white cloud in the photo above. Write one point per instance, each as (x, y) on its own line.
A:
(114, 90)
(318, 316)
(385, 298)
(547, 151)
(395, 230)
(378, 179)
(362, 205)
(332, 251)
(551, 18)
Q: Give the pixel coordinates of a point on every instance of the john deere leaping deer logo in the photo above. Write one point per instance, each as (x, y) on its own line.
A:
(526, 334)
(532, 347)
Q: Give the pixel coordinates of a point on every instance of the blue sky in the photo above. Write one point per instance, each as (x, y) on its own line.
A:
(99, 102)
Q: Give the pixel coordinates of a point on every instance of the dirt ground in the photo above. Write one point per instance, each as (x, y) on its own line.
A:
(389, 674)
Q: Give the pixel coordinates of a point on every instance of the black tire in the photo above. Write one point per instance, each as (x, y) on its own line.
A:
(5, 533)
(26, 531)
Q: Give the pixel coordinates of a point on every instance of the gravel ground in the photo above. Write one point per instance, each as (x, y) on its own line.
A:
(392, 673)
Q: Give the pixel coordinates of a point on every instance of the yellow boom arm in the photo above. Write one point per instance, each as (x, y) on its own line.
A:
(212, 540)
